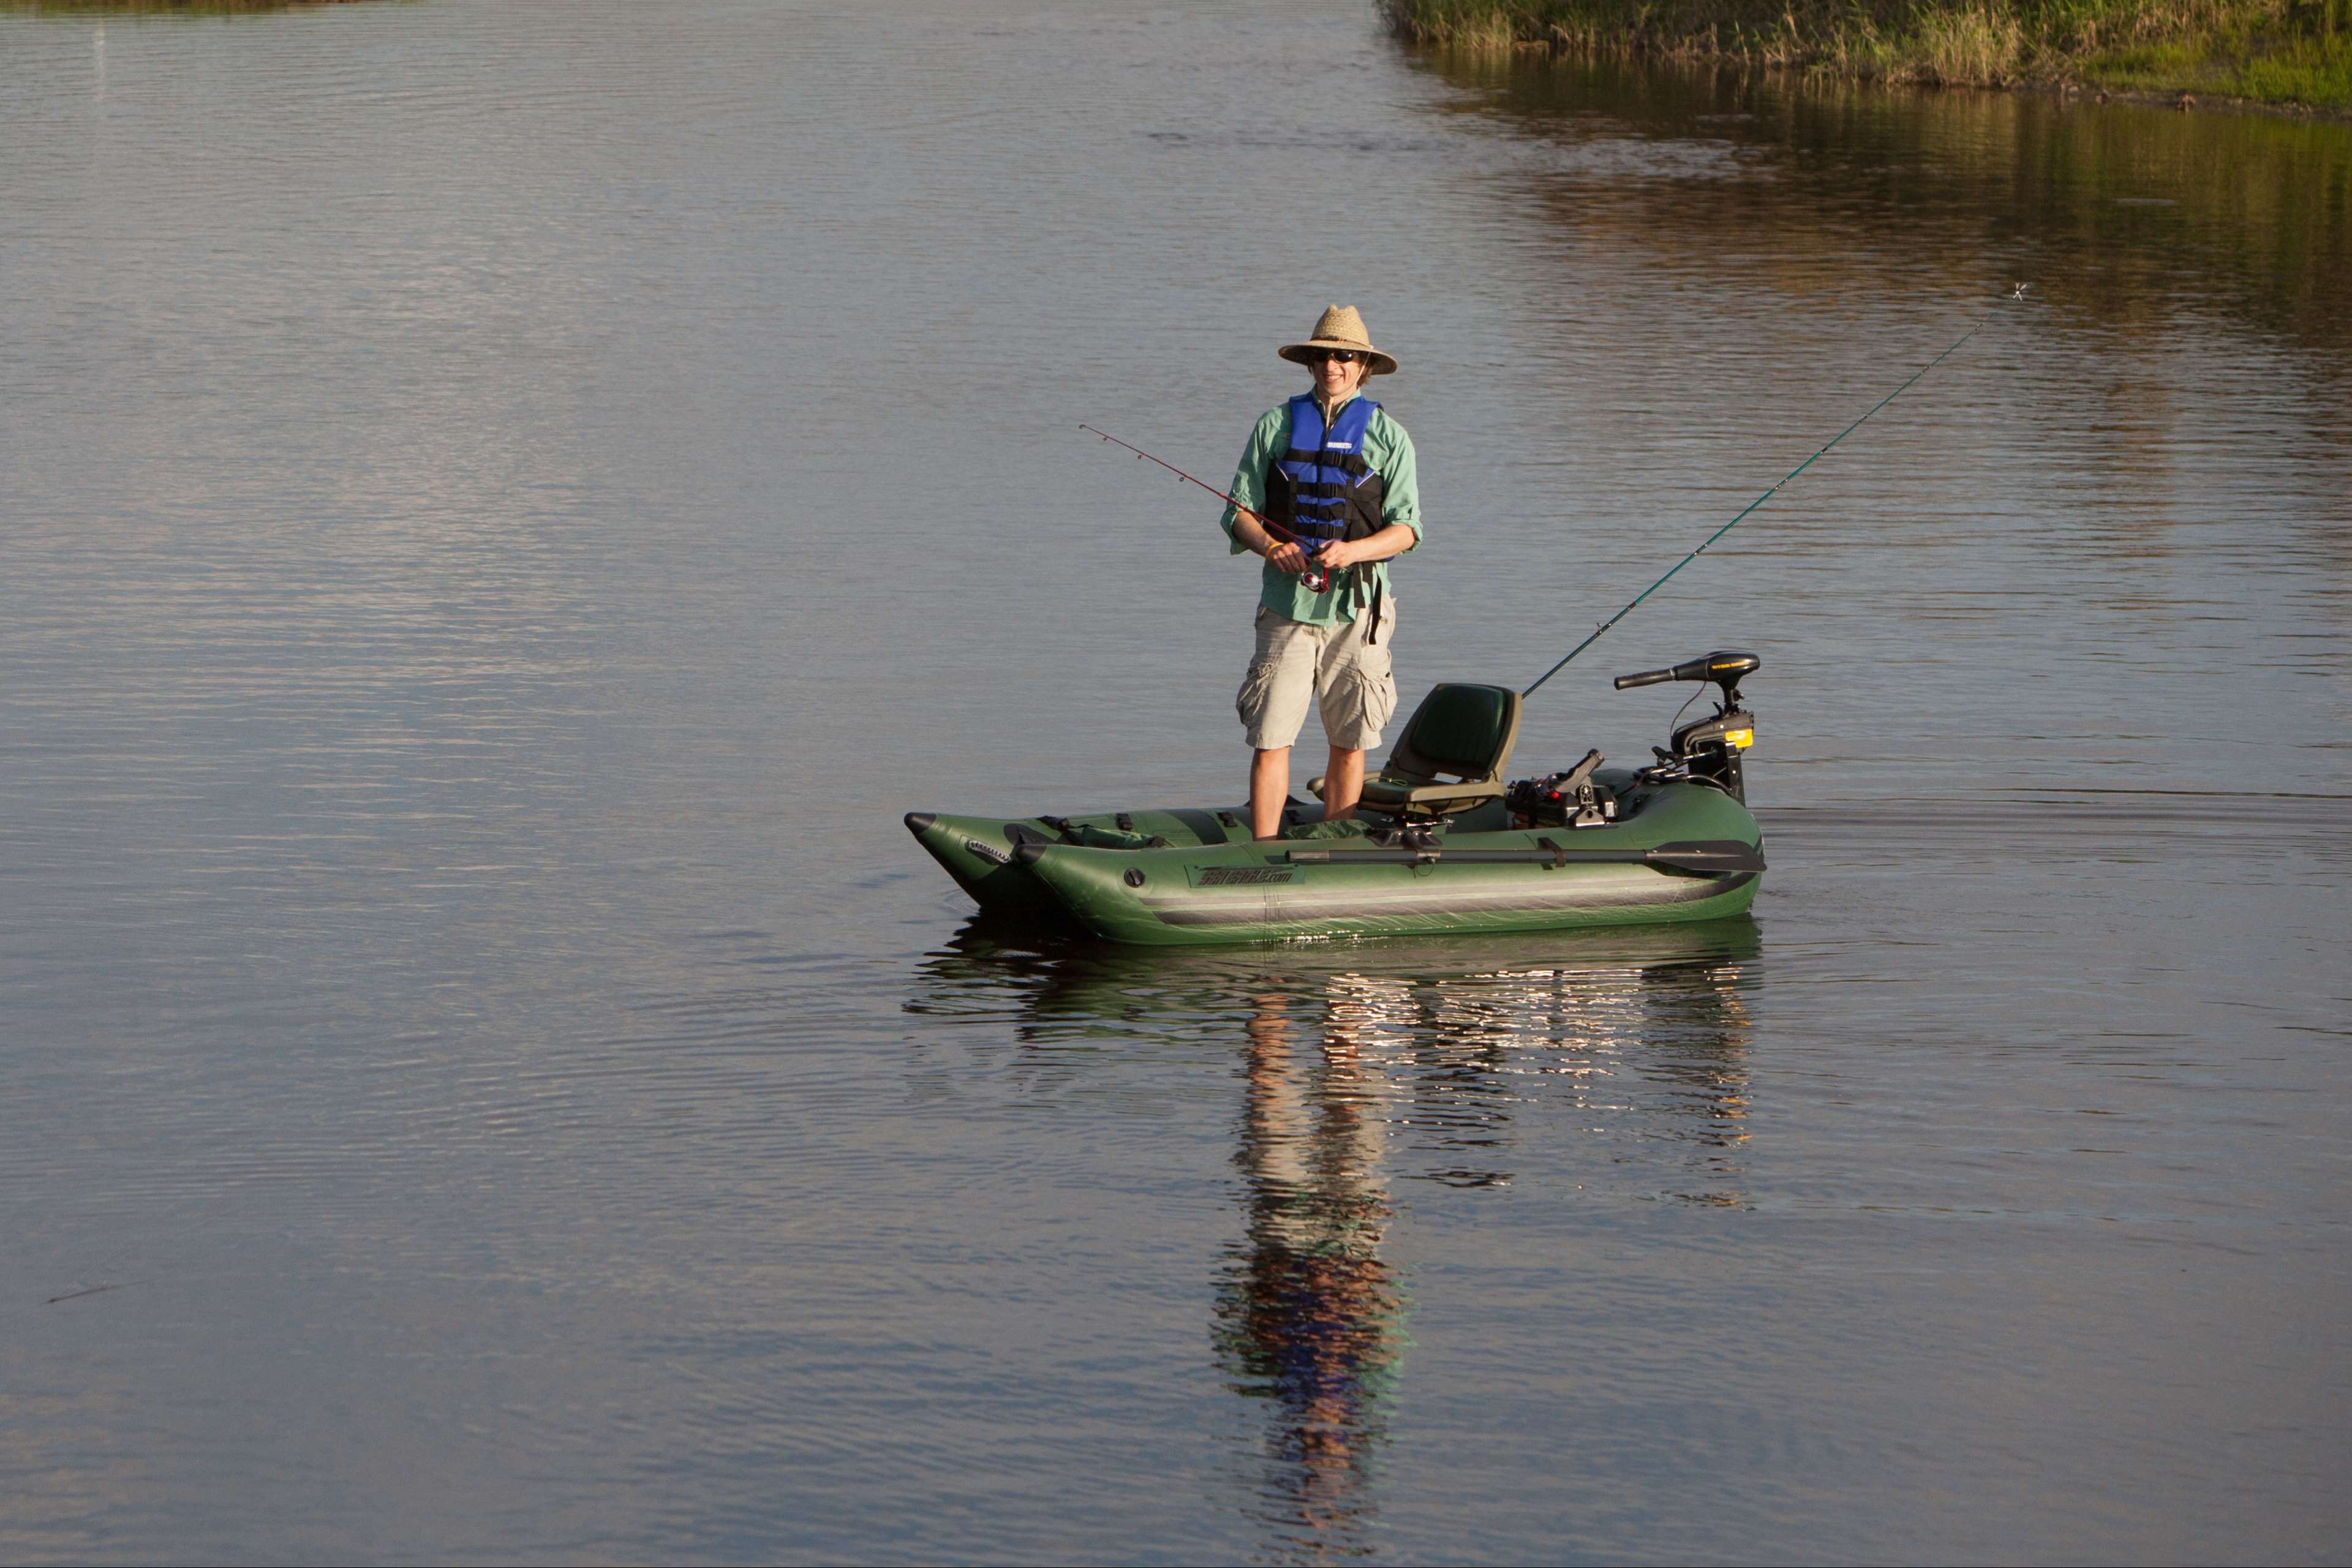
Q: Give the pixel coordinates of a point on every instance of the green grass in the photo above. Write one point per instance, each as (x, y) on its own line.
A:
(2288, 52)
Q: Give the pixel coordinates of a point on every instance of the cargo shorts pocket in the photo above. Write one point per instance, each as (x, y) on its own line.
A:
(1257, 689)
(1358, 704)
(1279, 684)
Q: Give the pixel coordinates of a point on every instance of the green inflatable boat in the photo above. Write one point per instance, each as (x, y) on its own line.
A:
(1440, 843)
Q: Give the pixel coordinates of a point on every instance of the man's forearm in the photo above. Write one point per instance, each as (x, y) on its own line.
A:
(1394, 539)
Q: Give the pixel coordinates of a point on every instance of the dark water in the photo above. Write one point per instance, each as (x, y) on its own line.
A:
(505, 506)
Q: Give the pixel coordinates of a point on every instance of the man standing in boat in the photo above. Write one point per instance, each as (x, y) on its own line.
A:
(1329, 491)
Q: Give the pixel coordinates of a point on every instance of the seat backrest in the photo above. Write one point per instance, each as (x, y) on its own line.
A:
(1459, 729)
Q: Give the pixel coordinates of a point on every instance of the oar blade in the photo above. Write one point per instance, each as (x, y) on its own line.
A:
(1715, 855)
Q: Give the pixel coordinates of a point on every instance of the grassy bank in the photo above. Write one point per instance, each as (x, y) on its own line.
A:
(2281, 52)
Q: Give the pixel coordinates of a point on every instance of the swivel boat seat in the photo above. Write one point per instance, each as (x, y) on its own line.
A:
(1463, 730)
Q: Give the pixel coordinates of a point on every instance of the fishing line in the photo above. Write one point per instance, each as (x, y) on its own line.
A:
(2019, 293)
(1317, 579)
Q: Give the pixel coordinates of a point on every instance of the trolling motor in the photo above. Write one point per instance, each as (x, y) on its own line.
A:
(1706, 750)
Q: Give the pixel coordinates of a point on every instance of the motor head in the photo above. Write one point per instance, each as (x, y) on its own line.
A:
(1725, 666)
(1708, 750)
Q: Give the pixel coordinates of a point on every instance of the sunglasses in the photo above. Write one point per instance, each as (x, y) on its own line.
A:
(1339, 356)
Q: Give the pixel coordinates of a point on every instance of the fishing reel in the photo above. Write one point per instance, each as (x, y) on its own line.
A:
(1705, 750)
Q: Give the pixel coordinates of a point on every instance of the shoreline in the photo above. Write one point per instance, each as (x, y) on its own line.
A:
(2177, 99)
(2288, 58)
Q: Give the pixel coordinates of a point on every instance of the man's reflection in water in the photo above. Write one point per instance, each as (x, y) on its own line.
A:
(1610, 1061)
(1308, 1316)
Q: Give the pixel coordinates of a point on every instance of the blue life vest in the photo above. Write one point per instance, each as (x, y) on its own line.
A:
(1321, 489)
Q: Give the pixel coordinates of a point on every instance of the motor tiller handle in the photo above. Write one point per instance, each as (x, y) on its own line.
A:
(1724, 667)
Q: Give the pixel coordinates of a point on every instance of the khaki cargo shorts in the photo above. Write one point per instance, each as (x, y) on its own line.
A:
(1295, 661)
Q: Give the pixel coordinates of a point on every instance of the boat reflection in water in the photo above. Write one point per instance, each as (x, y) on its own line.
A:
(1586, 1062)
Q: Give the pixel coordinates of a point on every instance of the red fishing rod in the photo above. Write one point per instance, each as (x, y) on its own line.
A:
(1316, 579)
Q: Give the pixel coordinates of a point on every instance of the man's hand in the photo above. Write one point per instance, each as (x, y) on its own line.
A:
(1285, 555)
(1342, 553)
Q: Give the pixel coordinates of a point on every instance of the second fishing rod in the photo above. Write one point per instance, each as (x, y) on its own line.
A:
(2016, 293)
(1318, 581)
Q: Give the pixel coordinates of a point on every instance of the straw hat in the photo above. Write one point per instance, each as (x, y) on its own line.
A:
(1341, 328)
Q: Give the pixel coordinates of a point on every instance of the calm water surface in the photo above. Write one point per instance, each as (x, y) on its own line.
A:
(505, 506)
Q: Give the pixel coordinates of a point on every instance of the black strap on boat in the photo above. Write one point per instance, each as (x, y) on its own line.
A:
(1203, 826)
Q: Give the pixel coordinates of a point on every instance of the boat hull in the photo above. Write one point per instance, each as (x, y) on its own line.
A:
(978, 851)
(1199, 892)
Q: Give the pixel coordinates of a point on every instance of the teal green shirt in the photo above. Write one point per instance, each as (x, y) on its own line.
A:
(1389, 452)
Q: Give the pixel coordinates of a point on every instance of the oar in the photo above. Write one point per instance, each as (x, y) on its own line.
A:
(1713, 856)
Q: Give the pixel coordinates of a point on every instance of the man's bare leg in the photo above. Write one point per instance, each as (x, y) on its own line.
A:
(1343, 785)
(1269, 790)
